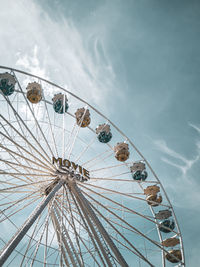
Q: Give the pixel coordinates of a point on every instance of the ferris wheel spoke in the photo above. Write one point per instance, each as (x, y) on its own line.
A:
(80, 260)
(121, 180)
(110, 235)
(28, 180)
(52, 239)
(22, 148)
(25, 135)
(30, 241)
(115, 175)
(122, 220)
(68, 242)
(71, 144)
(85, 149)
(16, 203)
(35, 119)
(24, 185)
(19, 192)
(6, 182)
(100, 160)
(13, 138)
(20, 209)
(96, 157)
(19, 253)
(121, 193)
(25, 139)
(3, 212)
(78, 127)
(17, 178)
(124, 210)
(123, 227)
(52, 253)
(47, 247)
(15, 256)
(25, 125)
(39, 241)
(44, 225)
(84, 243)
(50, 126)
(39, 261)
(21, 156)
(80, 238)
(8, 111)
(126, 247)
(10, 163)
(137, 252)
(61, 249)
(119, 205)
(6, 197)
(128, 209)
(27, 174)
(70, 138)
(111, 167)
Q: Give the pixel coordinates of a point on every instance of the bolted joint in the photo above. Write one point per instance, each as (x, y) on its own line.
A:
(50, 186)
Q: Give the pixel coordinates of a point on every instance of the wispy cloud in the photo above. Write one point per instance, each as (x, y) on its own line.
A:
(53, 48)
(186, 163)
(31, 62)
(184, 186)
(195, 127)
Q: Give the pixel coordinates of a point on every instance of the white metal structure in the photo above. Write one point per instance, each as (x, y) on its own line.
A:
(50, 218)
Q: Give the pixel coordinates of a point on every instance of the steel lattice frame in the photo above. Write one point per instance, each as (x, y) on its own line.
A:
(105, 221)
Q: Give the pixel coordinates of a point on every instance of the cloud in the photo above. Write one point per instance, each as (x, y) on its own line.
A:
(31, 62)
(55, 48)
(195, 127)
(186, 163)
(186, 184)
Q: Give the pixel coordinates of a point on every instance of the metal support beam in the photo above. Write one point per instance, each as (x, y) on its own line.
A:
(85, 226)
(84, 202)
(95, 233)
(66, 239)
(15, 240)
(62, 242)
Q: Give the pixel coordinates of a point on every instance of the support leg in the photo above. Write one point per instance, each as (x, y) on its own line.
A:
(15, 240)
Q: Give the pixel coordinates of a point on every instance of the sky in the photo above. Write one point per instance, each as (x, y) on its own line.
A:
(138, 62)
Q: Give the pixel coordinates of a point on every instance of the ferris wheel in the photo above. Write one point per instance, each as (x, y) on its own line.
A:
(74, 189)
